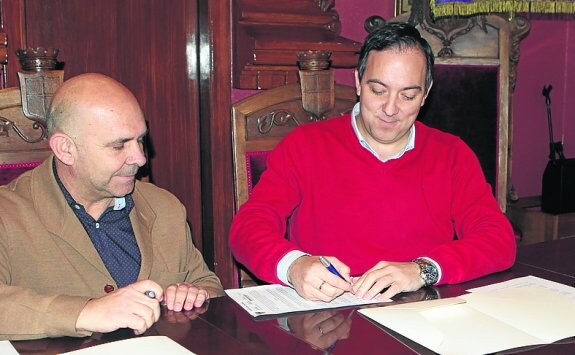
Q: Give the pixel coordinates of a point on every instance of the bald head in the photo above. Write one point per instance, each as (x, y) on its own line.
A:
(85, 93)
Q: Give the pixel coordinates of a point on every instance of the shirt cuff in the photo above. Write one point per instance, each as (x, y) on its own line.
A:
(285, 263)
(436, 266)
(283, 323)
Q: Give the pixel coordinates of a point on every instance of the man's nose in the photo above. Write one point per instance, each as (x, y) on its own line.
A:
(138, 155)
(390, 107)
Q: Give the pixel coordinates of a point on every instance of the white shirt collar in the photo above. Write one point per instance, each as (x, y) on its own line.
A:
(410, 141)
(119, 203)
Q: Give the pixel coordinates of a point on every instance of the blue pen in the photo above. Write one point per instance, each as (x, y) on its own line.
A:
(330, 267)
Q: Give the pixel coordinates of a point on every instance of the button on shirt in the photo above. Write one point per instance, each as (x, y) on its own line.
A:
(112, 236)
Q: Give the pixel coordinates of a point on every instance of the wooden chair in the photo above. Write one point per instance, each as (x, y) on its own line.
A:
(23, 109)
(474, 79)
(23, 143)
(260, 121)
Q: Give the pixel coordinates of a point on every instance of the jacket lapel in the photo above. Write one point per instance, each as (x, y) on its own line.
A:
(143, 217)
(58, 217)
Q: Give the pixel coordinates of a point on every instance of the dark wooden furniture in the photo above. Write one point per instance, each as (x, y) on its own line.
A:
(269, 34)
(22, 139)
(226, 328)
(23, 134)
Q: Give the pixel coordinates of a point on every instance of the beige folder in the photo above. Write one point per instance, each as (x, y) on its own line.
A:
(483, 322)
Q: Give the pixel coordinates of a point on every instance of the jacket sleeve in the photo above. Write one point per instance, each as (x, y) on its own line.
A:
(27, 314)
(199, 273)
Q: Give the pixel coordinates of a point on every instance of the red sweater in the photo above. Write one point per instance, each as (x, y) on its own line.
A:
(344, 202)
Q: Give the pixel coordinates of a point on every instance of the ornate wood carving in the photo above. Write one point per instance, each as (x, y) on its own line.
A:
(448, 29)
(38, 82)
(269, 34)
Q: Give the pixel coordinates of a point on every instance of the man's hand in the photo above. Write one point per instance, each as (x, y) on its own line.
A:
(313, 281)
(184, 296)
(393, 277)
(322, 329)
(184, 316)
(127, 307)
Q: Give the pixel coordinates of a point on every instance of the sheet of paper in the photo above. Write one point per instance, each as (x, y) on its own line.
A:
(527, 281)
(6, 348)
(523, 312)
(277, 299)
(535, 310)
(147, 345)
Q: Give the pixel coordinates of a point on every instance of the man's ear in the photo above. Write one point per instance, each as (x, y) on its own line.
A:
(357, 84)
(64, 147)
(426, 94)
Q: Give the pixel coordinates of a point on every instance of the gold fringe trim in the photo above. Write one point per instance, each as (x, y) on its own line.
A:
(502, 6)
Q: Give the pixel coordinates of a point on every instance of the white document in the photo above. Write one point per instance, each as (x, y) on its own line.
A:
(6, 348)
(278, 299)
(146, 345)
(528, 281)
(503, 316)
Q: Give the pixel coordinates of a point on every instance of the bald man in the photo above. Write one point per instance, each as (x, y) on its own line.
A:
(84, 246)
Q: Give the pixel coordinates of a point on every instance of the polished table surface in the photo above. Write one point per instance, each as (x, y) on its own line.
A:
(559, 256)
(225, 328)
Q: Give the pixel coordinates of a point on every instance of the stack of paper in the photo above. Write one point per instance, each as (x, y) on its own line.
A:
(277, 299)
(522, 312)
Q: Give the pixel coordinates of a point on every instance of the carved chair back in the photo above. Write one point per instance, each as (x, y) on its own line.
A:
(23, 143)
(260, 121)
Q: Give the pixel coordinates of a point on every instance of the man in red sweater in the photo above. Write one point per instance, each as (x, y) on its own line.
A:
(392, 204)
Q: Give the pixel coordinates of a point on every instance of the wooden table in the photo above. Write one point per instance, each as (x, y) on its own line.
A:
(557, 256)
(225, 328)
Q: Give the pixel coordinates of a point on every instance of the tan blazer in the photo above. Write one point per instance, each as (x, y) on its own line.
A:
(49, 268)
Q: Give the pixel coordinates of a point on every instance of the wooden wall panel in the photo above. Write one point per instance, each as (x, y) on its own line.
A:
(215, 98)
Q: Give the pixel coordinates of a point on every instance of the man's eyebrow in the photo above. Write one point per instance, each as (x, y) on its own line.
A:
(127, 139)
(379, 82)
(120, 140)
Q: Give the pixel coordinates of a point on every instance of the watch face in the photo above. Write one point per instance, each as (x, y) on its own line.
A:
(428, 272)
(431, 274)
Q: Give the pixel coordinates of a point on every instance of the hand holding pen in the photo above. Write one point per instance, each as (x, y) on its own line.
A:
(331, 282)
(313, 281)
(330, 267)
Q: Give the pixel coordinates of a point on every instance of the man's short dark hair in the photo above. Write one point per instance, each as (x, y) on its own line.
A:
(398, 36)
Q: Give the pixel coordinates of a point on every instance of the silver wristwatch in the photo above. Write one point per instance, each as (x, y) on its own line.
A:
(427, 271)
